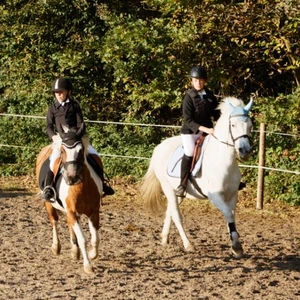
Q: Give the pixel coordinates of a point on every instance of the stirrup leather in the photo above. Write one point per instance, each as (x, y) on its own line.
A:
(180, 191)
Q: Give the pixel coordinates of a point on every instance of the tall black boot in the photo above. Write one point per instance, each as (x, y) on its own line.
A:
(107, 189)
(242, 185)
(185, 172)
(49, 193)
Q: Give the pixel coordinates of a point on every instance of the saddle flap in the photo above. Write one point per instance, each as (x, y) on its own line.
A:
(174, 164)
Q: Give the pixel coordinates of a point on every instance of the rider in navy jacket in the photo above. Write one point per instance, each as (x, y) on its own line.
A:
(63, 115)
(198, 111)
(198, 108)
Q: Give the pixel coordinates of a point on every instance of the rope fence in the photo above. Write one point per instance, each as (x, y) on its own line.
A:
(136, 124)
(149, 125)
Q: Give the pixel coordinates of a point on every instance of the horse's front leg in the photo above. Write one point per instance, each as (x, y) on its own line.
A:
(228, 210)
(53, 218)
(75, 253)
(236, 247)
(74, 222)
(173, 213)
(94, 230)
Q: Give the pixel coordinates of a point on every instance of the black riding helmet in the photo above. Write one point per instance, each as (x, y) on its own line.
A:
(198, 72)
(60, 84)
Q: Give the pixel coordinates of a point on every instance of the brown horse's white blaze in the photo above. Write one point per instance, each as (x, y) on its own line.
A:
(80, 191)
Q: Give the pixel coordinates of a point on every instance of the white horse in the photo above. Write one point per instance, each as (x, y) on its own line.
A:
(220, 175)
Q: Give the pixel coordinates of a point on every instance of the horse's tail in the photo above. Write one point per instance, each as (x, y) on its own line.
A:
(151, 192)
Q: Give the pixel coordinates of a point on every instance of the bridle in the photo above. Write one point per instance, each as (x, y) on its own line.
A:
(79, 163)
(234, 139)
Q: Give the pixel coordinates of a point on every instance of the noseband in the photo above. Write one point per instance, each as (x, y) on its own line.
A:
(70, 144)
(245, 116)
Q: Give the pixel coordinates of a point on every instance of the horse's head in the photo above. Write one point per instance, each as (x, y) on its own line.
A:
(240, 125)
(72, 154)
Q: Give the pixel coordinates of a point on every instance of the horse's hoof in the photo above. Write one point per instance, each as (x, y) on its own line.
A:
(164, 241)
(237, 250)
(93, 254)
(56, 249)
(190, 248)
(88, 269)
(75, 253)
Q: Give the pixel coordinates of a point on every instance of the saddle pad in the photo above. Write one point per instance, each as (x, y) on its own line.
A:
(174, 164)
(43, 173)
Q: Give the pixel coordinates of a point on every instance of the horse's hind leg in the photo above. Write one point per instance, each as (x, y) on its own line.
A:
(94, 230)
(53, 218)
(173, 213)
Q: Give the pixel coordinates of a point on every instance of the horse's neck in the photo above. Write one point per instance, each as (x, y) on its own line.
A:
(221, 132)
(220, 149)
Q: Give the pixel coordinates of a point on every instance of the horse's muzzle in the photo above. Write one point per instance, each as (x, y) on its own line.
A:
(244, 153)
(73, 173)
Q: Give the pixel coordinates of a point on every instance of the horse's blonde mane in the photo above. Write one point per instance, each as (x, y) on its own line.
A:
(85, 141)
(234, 102)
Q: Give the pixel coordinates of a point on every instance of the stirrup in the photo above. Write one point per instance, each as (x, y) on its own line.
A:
(180, 191)
(49, 194)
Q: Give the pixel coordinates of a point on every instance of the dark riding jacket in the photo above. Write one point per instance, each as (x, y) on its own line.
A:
(197, 111)
(66, 114)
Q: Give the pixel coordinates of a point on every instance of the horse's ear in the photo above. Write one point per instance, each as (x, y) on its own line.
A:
(249, 105)
(229, 105)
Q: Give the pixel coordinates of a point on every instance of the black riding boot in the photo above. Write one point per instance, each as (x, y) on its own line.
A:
(107, 189)
(185, 172)
(49, 193)
(242, 185)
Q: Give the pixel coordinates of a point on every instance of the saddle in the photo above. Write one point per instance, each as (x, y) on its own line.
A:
(94, 161)
(174, 165)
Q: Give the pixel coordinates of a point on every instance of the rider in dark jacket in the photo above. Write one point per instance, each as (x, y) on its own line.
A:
(198, 108)
(64, 114)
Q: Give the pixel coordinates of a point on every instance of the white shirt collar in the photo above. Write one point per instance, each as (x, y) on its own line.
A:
(64, 102)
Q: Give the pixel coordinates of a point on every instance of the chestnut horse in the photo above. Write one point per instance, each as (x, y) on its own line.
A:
(218, 179)
(79, 191)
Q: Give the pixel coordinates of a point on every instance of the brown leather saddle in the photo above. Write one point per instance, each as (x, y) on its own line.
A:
(44, 164)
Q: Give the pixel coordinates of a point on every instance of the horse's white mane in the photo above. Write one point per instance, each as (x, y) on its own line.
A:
(223, 107)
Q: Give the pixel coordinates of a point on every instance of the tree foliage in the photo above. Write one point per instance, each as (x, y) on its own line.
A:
(129, 61)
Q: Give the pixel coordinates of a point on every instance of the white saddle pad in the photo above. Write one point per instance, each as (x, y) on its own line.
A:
(174, 164)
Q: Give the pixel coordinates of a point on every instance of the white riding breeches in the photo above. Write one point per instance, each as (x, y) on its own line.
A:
(188, 143)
